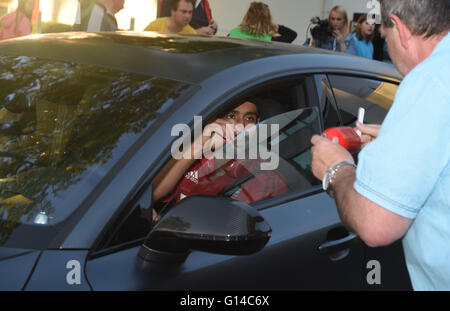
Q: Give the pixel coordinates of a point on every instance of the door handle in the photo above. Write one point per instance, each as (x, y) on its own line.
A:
(336, 246)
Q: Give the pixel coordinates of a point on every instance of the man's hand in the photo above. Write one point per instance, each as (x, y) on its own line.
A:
(326, 154)
(214, 26)
(369, 132)
(339, 37)
(208, 31)
(218, 133)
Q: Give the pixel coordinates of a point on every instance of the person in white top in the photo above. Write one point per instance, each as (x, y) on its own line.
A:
(98, 15)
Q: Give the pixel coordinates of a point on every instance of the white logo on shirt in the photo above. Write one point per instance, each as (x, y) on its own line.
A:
(192, 176)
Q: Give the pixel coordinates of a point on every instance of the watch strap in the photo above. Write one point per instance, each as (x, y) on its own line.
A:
(328, 178)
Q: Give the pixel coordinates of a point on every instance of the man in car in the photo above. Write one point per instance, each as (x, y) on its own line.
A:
(178, 22)
(188, 176)
(98, 15)
(401, 187)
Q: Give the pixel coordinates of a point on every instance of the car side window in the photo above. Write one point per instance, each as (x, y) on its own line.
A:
(352, 92)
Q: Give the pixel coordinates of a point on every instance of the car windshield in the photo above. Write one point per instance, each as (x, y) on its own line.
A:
(63, 126)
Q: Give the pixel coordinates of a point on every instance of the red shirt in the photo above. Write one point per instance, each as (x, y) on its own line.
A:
(205, 179)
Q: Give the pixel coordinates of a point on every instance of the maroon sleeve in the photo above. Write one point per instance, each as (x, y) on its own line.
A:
(264, 186)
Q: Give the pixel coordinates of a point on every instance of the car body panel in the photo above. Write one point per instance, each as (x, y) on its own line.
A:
(58, 270)
(16, 265)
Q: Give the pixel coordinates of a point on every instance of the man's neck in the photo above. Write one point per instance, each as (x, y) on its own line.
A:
(425, 47)
(172, 26)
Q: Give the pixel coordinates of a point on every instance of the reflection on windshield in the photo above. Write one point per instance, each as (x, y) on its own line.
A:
(62, 127)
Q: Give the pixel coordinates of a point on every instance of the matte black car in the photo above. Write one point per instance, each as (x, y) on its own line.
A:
(86, 124)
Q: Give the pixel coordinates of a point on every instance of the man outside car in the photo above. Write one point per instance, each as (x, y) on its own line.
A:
(400, 189)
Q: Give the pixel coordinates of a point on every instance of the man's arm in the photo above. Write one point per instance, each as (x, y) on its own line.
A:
(286, 35)
(375, 225)
(166, 181)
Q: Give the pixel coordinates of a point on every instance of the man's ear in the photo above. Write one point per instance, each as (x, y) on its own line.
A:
(403, 31)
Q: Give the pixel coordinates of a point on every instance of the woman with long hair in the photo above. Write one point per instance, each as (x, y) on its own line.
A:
(341, 39)
(364, 33)
(17, 23)
(256, 24)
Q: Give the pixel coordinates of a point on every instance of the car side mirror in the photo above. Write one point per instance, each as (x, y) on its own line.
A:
(209, 224)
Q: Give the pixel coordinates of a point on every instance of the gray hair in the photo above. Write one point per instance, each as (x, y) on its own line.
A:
(423, 17)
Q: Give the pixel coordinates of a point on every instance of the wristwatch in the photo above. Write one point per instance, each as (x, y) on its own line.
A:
(328, 177)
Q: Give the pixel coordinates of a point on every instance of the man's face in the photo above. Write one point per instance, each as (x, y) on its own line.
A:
(183, 15)
(246, 114)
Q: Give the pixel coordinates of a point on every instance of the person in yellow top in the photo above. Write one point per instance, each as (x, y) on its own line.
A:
(178, 22)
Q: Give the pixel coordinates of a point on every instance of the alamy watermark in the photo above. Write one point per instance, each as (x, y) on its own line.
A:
(374, 275)
(374, 15)
(73, 277)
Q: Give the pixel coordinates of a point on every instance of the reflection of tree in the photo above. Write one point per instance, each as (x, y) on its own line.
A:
(60, 120)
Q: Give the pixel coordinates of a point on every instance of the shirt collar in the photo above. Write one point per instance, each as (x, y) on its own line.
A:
(197, 3)
(443, 45)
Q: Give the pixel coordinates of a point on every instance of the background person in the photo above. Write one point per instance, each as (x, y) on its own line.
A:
(400, 189)
(97, 15)
(202, 20)
(178, 22)
(284, 34)
(256, 24)
(364, 34)
(341, 40)
(17, 23)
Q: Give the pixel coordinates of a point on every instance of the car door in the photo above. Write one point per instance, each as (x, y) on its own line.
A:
(309, 248)
(376, 95)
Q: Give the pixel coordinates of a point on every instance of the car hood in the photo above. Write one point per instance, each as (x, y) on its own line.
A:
(15, 267)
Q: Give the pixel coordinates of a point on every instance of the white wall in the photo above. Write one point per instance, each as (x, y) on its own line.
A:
(294, 14)
(144, 11)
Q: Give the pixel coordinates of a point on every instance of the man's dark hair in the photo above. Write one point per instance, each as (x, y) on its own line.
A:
(423, 17)
(174, 4)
